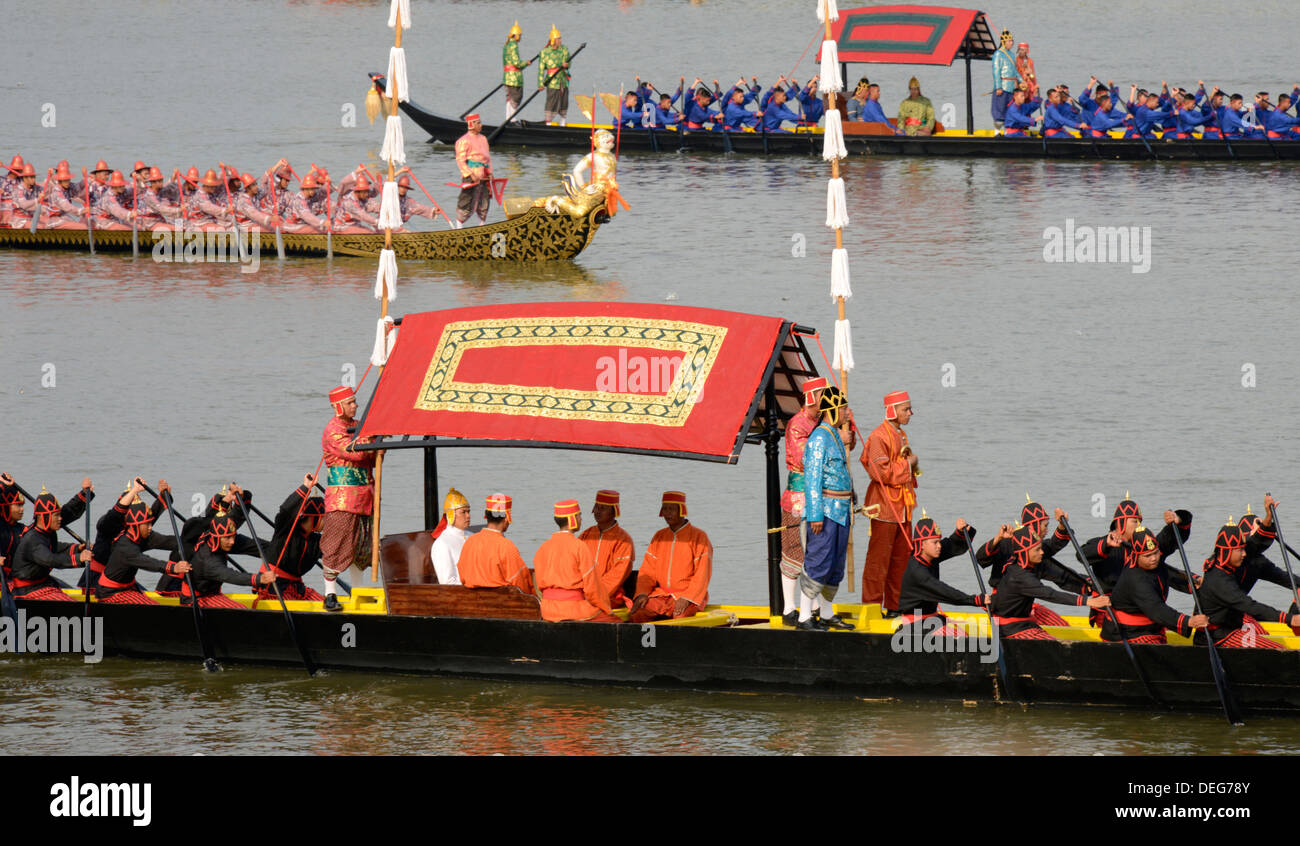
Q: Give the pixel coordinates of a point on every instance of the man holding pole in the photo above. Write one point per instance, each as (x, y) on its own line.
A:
(514, 70)
(349, 496)
(553, 75)
(891, 496)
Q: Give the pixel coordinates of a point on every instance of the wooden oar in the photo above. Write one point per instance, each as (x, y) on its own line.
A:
(539, 90)
(499, 87)
(1003, 672)
(78, 538)
(1286, 559)
(1227, 696)
(275, 583)
(347, 587)
(417, 181)
(135, 213)
(209, 663)
(90, 216)
(230, 209)
(85, 611)
(1128, 647)
(36, 218)
(275, 212)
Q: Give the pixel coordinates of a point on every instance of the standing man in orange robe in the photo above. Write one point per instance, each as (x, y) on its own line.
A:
(674, 577)
(488, 558)
(566, 573)
(349, 496)
(891, 496)
(611, 547)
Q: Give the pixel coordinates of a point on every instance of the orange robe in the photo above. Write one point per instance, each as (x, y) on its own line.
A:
(567, 578)
(613, 551)
(677, 566)
(490, 559)
(893, 487)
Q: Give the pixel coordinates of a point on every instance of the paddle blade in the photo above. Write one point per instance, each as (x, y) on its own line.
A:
(586, 105)
(1231, 709)
(611, 104)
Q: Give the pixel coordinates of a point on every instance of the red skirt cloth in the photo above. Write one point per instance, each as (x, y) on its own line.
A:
(1046, 617)
(48, 592)
(171, 593)
(128, 597)
(1148, 639)
(1245, 638)
(1249, 622)
(1030, 633)
(296, 590)
(219, 600)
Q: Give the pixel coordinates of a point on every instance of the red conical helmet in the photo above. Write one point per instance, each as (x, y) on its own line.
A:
(28, 170)
(309, 181)
(139, 166)
(247, 179)
(155, 175)
(210, 179)
(116, 180)
(101, 166)
(63, 174)
(362, 184)
(16, 165)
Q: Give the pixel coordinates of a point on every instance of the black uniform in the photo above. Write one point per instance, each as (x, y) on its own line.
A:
(1225, 603)
(1139, 600)
(922, 591)
(127, 558)
(37, 554)
(193, 528)
(303, 551)
(1021, 585)
(1108, 568)
(211, 569)
(996, 555)
(108, 528)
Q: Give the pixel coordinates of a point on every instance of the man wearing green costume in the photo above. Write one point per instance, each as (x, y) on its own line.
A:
(514, 70)
(553, 75)
(915, 114)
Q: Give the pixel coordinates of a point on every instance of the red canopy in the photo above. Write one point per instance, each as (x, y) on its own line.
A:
(911, 35)
(625, 377)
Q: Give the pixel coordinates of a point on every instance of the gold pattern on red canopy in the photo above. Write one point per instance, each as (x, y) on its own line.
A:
(910, 35)
(620, 375)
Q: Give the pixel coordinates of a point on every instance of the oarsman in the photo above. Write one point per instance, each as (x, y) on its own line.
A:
(39, 550)
(1016, 599)
(1256, 567)
(1126, 520)
(1189, 117)
(696, 112)
(295, 544)
(112, 523)
(810, 101)
(797, 430)
(12, 506)
(630, 111)
(489, 558)
(611, 548)
(567, 580)
(67, 207)
(1146, 117)
(117, 583)
(320, 202)
(475, 163)
(194, 532)
(140, 174)
(829, 500)
(1002, 549)
(114, 209)
(98, 183)
(872, 111)
(449, 537)
(922, 588)
(1224, 602)
(206, 211)
(349, 495)
(1059, 117)
(26, 197)
(1019, 119)
(351, 215)
(1140, 594)
(11, 178)
(1005, 78)
(673, 581)
(665, 114)
(154, 207)
(273, 188)
(298, 216)
(1279, 124)
(1214, 108)
(212, 568)
(553, 75)
(1105, 117)
(249, 206)
(513, 77)
(735, 115)
(916, 113)
(775, 112)
(408, 206)
(891, 496)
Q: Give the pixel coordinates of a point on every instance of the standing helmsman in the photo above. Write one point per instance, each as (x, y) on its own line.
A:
(553, 75)
(891, 496)
(475, 163)
(797, 430)
(1005, 77)
(514, 70)
(349, 496)
(828, 496)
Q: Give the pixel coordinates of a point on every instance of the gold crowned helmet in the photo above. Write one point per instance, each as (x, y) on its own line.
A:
(555, 34)
(1006, 36)
(455, 500)
(516, 29)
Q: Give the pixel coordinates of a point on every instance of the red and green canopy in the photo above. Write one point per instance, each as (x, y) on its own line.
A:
(912, 35)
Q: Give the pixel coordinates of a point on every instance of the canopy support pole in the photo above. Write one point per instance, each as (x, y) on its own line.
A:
(431, 509)
(772, 436)
(970, 104)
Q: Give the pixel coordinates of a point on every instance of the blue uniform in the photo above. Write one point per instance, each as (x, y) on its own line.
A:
(872, 112)
(1102, 120)
(737, 116)
(1232, 126)
(1279, 124)
(827, 500)
(1057, 119)
(1019, 118)
(1189, 119)
(774, 114)
(697, 115)
(1145, 121)
(814, 108)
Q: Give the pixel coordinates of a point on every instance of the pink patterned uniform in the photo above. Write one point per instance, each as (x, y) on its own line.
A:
(66, 204)
(249, 210)
(204, 212)
(298, 217)
(155, 210)
(409, 207)
(113, 211)
(24, 205)
(352, 215)
(7, 184)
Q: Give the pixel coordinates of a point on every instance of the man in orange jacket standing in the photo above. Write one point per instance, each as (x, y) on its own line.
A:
(891, 496)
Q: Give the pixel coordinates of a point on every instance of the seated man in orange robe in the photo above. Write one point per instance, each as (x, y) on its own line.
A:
(488, 559)
(674, 577)
(611, 546)
(566, 573)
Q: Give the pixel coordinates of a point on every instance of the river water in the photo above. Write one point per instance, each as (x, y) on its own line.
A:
(1071, 381)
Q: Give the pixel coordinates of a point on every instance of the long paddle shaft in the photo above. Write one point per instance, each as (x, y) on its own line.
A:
(1003, 672)
(347, 587)
(135, 212)
(275, 583)
(411, 173)
(180, 544)
(36, 216)
(78, 538)
(1128, 647)
(86, 588)
(1286, 559)
(1227, 696)
(209, 663)
(230, 210)
(540, 89)
(498, 88)
(90, 214)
